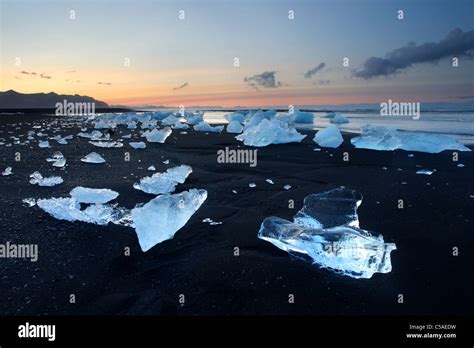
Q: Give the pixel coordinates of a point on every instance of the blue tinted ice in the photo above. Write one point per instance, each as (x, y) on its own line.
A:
(326, 231)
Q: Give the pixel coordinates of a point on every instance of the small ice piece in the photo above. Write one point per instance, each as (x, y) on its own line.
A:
(43, 144)
(60, 140)
(58, 159)
(270, 181)
(206, 127)
(338, 118)
(7, 171)
(38, 179)
(270, 132)
(425, 172)
(326, 231)
(212, 222)
(160, 218)
(287, 187)
(158, 135)
(138, 145)
(303, 117)
(411, 155)
(29, 202)
(94, 135)
(166, 182)
(151, 168)
(126, 136)
(234, 127)
(460, 165)
(93, 157)
(234, 191)
(252, 184)
(60, 163)
(166, 162)
(106, 144)
(92, 195)
(329, 137)
(386, 139)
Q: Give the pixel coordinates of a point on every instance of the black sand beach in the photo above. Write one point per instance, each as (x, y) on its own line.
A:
(88, 260)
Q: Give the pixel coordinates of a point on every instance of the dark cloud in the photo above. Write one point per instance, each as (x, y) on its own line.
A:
(45, 76)
(465, 97)
(27, 72)
(266, 79)
(313, 71)
(324, 82)
(103, 83)
(180, 87)
(456, 43)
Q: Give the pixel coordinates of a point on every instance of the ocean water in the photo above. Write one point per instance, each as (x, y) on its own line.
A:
(457, 124)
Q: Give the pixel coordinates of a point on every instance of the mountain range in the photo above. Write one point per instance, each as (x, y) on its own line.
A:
(15, 100)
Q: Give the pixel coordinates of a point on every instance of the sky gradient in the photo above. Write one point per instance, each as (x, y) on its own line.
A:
(190, 61)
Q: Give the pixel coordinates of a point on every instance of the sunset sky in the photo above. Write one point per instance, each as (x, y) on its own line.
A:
(283, 61)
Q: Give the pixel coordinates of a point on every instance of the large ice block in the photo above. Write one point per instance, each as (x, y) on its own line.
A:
(163, 216)
(268, 132)
(386, 139)
(326, 231)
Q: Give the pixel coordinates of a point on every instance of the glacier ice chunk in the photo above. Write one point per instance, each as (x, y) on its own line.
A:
(106, 144)
(158, 135)
(165, 182)
(235, 116)
(386, 139)
(7, 171)
(330, 115)
(93, 157)
(326, 231)
(160, 218)
(206, 127)
(329, 137)
(268, 132)
(168, 121)
(70, 210)
(179, 125)
(234, 127)
(338, 118)
(193, 118)
(92, 195)
(58, 160)
(137, 145)
(38, 179)
(303, 117)
(43, 144)
(94, 135)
